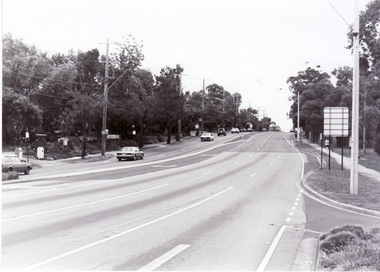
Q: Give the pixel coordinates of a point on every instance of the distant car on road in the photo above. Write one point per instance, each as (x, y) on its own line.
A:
(207, 137)
(14, 163)
(249, 130)
(264, 129)
(235, 130)
(221, 131)
(243, 130)
(130, 153)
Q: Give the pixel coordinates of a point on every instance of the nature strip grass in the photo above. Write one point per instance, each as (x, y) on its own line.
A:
(335, 184)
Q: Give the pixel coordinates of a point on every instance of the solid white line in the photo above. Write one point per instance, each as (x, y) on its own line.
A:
(271, 249)
(123, 233)
(164, 258)
(82, 204)
(164, 166)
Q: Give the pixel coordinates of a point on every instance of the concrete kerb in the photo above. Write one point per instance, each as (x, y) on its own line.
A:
(308, 252)
(331, 202)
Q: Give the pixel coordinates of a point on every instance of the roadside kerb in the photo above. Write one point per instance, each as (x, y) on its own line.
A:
(334, 203)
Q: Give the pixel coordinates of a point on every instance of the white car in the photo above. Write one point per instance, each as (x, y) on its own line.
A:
(207, 137)
(235, 130)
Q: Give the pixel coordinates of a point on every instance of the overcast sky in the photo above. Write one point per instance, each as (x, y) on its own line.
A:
(251, 47)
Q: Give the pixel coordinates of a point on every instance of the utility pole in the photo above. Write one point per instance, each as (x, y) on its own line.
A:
(179, 120)
(203, 104)
(354, 175)
(104, 125)
(298, 117)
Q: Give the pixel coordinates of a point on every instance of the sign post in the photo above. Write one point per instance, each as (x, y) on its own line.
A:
(335, 123)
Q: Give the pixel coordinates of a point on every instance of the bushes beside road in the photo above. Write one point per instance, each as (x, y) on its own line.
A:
(9, 175)
(349, 248)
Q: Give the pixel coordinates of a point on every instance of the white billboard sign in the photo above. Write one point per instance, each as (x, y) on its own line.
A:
(335, 121)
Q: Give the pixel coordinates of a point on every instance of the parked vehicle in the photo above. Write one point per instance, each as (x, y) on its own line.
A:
(243, 130)
(235, 130)
(130, 153)
(221, 131)
(249, 130)
(207, 137)
(12, 162)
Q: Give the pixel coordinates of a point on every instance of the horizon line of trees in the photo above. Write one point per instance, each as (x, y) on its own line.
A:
(316, 90)
(63, 95)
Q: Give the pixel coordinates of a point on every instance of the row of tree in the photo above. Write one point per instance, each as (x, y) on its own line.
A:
(63, 95)
(316, 90)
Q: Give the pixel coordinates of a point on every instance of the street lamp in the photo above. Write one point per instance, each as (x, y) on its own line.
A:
(298, 117)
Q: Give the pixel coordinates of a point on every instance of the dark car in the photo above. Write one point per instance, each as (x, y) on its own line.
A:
(12, 163)
(130, 153)
(221, 131)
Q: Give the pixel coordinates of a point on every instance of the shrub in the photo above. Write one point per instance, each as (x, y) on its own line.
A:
(377, 140)
(358, 231)
(10, 175)
(150, 139)
(128, 143)
(337, 242)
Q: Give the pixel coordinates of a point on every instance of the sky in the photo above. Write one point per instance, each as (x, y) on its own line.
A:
(247, 46)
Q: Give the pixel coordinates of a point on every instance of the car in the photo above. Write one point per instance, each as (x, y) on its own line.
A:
(130, 153)
(11, 162)
(235, 130)
(207, 137)
(221, 131)
(249, 130)
(243, 130)
(264, 129)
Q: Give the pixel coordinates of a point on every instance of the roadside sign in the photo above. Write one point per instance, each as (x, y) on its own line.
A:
(335, 121)
(113, 136)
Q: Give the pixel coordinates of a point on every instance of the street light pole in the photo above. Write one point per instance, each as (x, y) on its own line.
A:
(354, 175)
(179, 120)
(298, 117)
(104, 125)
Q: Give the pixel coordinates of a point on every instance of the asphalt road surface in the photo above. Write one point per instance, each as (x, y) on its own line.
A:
(222, 205)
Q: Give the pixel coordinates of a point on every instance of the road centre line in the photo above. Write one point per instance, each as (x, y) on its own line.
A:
(82, 204)
(253, 175)
(206, 172)
(164, 258)
(124, 232)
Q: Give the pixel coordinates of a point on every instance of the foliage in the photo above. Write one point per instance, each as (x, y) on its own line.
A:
(10, 175)
(349, 248)
(169, 101)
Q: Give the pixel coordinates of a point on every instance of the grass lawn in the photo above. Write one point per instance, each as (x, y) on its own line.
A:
(370, 159)
(335, 184)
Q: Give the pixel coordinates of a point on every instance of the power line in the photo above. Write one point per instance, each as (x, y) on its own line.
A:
(338, 12)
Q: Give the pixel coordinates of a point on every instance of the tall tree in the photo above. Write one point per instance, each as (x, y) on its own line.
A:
(169, 101)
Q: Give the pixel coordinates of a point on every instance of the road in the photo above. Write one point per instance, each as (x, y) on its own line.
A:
(222, 205)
